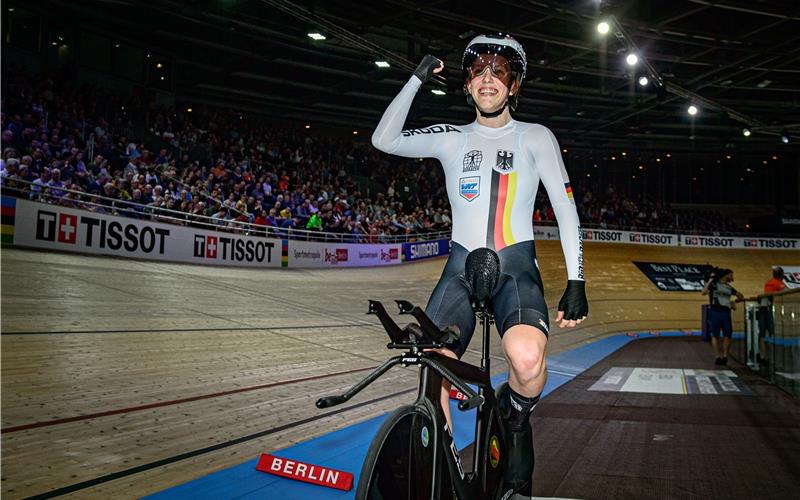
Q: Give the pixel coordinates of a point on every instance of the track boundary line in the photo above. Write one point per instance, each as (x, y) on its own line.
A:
(178, 330)
(90, 416)
(189, 454)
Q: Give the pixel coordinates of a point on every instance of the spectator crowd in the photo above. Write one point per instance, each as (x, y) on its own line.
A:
(81, 146)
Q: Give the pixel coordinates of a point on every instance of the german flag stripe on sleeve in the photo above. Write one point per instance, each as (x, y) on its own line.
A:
(569, 190)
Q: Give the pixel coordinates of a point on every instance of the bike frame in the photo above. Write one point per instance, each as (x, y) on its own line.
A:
(434, 368)
(467, 485)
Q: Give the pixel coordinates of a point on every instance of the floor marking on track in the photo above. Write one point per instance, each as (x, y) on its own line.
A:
(90, 416)
(682, 381)
(190, 454)
(177, 330)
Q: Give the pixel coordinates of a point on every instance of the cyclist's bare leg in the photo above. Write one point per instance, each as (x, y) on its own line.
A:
(524, 347)
(445, 398)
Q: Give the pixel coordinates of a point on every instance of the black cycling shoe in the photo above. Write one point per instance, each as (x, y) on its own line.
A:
(520, 448)
(520, 460)
(718, 361)
(725, 361)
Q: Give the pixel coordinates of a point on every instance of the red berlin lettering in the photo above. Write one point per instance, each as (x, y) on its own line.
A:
(308, 473)
(292, 468)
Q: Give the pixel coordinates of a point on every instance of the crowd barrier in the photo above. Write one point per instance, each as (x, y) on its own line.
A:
(53, 227)
(771, 343)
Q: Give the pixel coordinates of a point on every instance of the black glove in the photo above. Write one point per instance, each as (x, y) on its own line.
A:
(425, 69)
(573, 302)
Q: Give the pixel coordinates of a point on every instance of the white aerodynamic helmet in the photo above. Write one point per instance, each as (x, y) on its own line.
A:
(499, 45)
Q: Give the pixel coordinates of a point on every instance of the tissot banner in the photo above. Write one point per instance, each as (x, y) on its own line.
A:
(53, 227)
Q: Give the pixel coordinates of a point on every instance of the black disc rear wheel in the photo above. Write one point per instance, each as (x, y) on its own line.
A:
(399, 463)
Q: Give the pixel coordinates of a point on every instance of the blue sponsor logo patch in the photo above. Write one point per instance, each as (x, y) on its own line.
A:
(469, 187)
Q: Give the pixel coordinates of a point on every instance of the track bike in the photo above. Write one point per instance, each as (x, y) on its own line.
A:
(413, 456)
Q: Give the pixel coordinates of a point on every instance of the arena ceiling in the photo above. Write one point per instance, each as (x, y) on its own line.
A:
(737, 61)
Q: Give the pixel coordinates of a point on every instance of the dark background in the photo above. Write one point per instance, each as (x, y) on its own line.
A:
(254, 57)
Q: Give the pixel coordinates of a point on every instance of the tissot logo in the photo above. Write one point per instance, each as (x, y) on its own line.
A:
(601, 235)
(46, 226)
(654, 239)
(751, 243)
(211, 247)
(708, 241)
(65, 232)
(93, 232)
(761, 243)
(233, 249)
(206, 246)
(67, 228)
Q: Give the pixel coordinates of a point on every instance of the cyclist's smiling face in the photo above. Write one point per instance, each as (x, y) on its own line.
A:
(488, 81)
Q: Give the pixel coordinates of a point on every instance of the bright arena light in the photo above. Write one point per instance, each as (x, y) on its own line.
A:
(746, 132)
(632, 59)
(603, 28)
(692, 110)
(316, 36)
(643, 81)
(382, 64)
(438, 92)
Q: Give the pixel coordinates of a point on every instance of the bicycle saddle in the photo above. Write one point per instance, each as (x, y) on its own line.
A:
(481, 271)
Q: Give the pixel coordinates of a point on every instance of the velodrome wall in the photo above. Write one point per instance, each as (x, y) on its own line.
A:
(51, 227)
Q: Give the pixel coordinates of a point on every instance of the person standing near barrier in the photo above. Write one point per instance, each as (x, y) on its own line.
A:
(766, 321)
(492, 171)
(719, 289)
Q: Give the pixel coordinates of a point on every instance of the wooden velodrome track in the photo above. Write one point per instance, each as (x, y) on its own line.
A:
(123, 377)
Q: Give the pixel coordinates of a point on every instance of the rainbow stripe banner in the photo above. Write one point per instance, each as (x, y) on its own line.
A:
(8, 208)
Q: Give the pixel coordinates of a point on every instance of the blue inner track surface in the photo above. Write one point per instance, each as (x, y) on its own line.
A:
(346, 448)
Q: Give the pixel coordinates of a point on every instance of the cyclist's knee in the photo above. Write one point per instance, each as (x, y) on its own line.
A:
(525, 349)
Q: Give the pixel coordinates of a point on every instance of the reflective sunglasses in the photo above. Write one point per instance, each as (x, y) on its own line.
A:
(497, 64)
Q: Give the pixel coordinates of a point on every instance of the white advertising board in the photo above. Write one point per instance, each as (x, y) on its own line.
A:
(314, 254)
(53, 227)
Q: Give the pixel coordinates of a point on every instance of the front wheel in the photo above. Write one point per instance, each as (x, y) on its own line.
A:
(400, 461)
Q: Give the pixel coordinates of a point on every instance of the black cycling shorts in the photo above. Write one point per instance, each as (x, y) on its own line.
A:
(518, 297)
